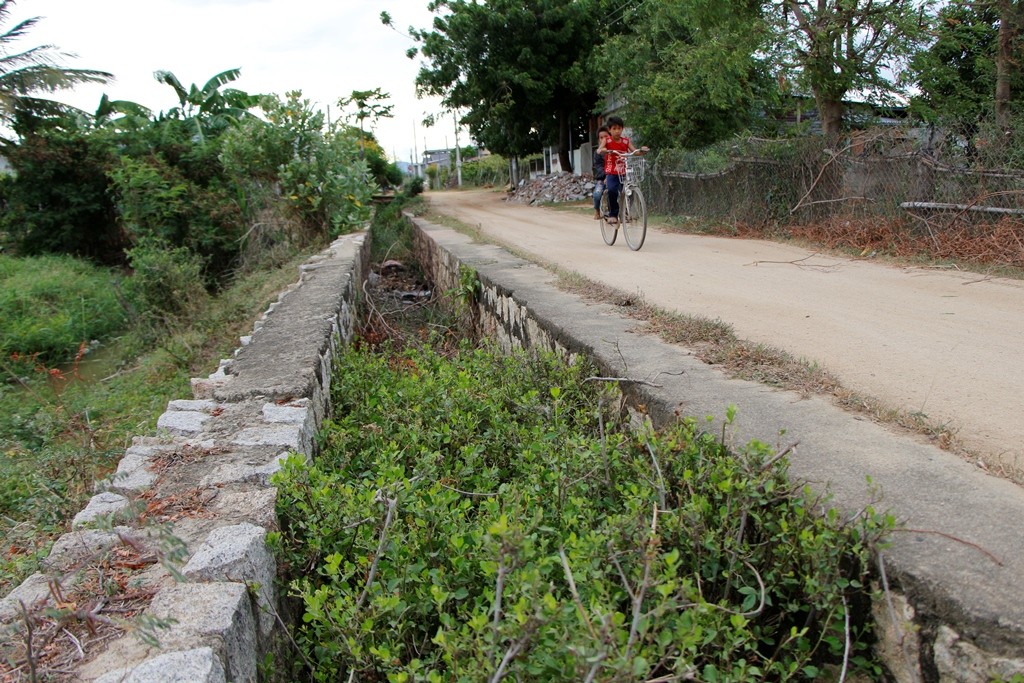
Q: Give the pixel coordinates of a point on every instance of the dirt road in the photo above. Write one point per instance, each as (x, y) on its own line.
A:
(947, 344)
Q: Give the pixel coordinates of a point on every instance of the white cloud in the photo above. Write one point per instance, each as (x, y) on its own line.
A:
(325, 48)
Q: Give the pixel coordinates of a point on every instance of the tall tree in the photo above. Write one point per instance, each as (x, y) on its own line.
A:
(1007, 57)
(369, 104)
(835, 47)
(520, 69)
(26, 73)
(689, 72)
(956, 75)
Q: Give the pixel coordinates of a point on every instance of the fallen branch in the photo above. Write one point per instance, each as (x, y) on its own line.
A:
(954, 538)
(392, 502)
(622, 379)
(576, 595)
(799, 262)
(962, 208)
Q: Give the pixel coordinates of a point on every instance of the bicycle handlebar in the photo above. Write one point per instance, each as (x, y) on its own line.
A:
(635, 153)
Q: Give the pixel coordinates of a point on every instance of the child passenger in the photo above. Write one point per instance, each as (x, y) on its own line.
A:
(602, 135)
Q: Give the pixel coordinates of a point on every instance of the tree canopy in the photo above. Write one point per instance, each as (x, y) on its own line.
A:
(831, 48)
(688, 73)
(519, 69)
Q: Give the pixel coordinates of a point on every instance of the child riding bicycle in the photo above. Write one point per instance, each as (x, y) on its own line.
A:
(611, 147)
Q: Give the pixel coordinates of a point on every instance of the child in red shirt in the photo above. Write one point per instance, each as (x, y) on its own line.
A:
(614, 165)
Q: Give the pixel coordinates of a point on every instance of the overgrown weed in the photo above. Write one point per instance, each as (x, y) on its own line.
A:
(481, 515)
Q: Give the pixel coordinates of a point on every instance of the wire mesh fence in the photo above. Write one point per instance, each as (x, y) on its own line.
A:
(936, 178)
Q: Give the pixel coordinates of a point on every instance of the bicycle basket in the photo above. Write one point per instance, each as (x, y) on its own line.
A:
(635, 169)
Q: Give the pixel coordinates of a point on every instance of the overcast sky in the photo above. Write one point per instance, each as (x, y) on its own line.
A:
(325, 48)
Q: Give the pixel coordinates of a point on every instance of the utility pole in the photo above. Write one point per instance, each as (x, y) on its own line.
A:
(415, 153)
(458, 152)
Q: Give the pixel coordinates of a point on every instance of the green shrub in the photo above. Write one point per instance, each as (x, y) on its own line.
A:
(316, 167)
(57, 200)
(485, 172)
(166, 283)
(160, 201)
(413, 186)
(384, 173)
(49, 305)
(484, 516)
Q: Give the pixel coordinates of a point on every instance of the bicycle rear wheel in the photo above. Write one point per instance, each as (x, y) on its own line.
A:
(634, 225)
(608, 231)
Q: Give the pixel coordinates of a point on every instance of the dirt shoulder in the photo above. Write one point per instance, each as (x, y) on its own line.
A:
(940, 343)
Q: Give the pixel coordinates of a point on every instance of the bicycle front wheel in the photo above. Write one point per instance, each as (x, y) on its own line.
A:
(634, 227)
(608, 231)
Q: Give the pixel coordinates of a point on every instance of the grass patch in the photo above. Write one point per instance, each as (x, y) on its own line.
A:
(50, 305)
(59, 433)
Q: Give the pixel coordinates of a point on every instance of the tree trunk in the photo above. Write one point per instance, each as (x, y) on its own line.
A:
(830, 112)
(564, 141)
(1004, 61)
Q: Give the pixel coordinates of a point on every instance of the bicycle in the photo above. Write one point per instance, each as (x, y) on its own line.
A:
(632, 205)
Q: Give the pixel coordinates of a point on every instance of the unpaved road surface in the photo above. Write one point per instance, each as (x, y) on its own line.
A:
(947, 344)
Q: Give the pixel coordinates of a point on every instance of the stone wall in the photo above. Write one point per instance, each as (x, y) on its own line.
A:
(198, 491)
(950, 613)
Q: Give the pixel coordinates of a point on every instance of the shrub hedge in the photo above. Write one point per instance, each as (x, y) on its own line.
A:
(482, 517)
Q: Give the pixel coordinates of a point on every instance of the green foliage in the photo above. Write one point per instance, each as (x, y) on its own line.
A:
(182, 202)
(50, 305)
(390, 232)
(484, 516)
(57, 200)
(833, 49)
(489, 171)
(212, 109)
(61, 429)
(323, 181)
(956, 76)
(367, 104)
(384, 173)
(166, 282)
(704, 78)
(413, 186)
(517, 72)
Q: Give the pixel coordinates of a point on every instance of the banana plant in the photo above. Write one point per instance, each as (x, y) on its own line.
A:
(210, 109)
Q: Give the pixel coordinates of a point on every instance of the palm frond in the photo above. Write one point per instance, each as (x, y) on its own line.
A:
(19, 31)
(48, 78)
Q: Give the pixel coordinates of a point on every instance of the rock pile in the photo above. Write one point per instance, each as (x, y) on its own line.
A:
(557, 187)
